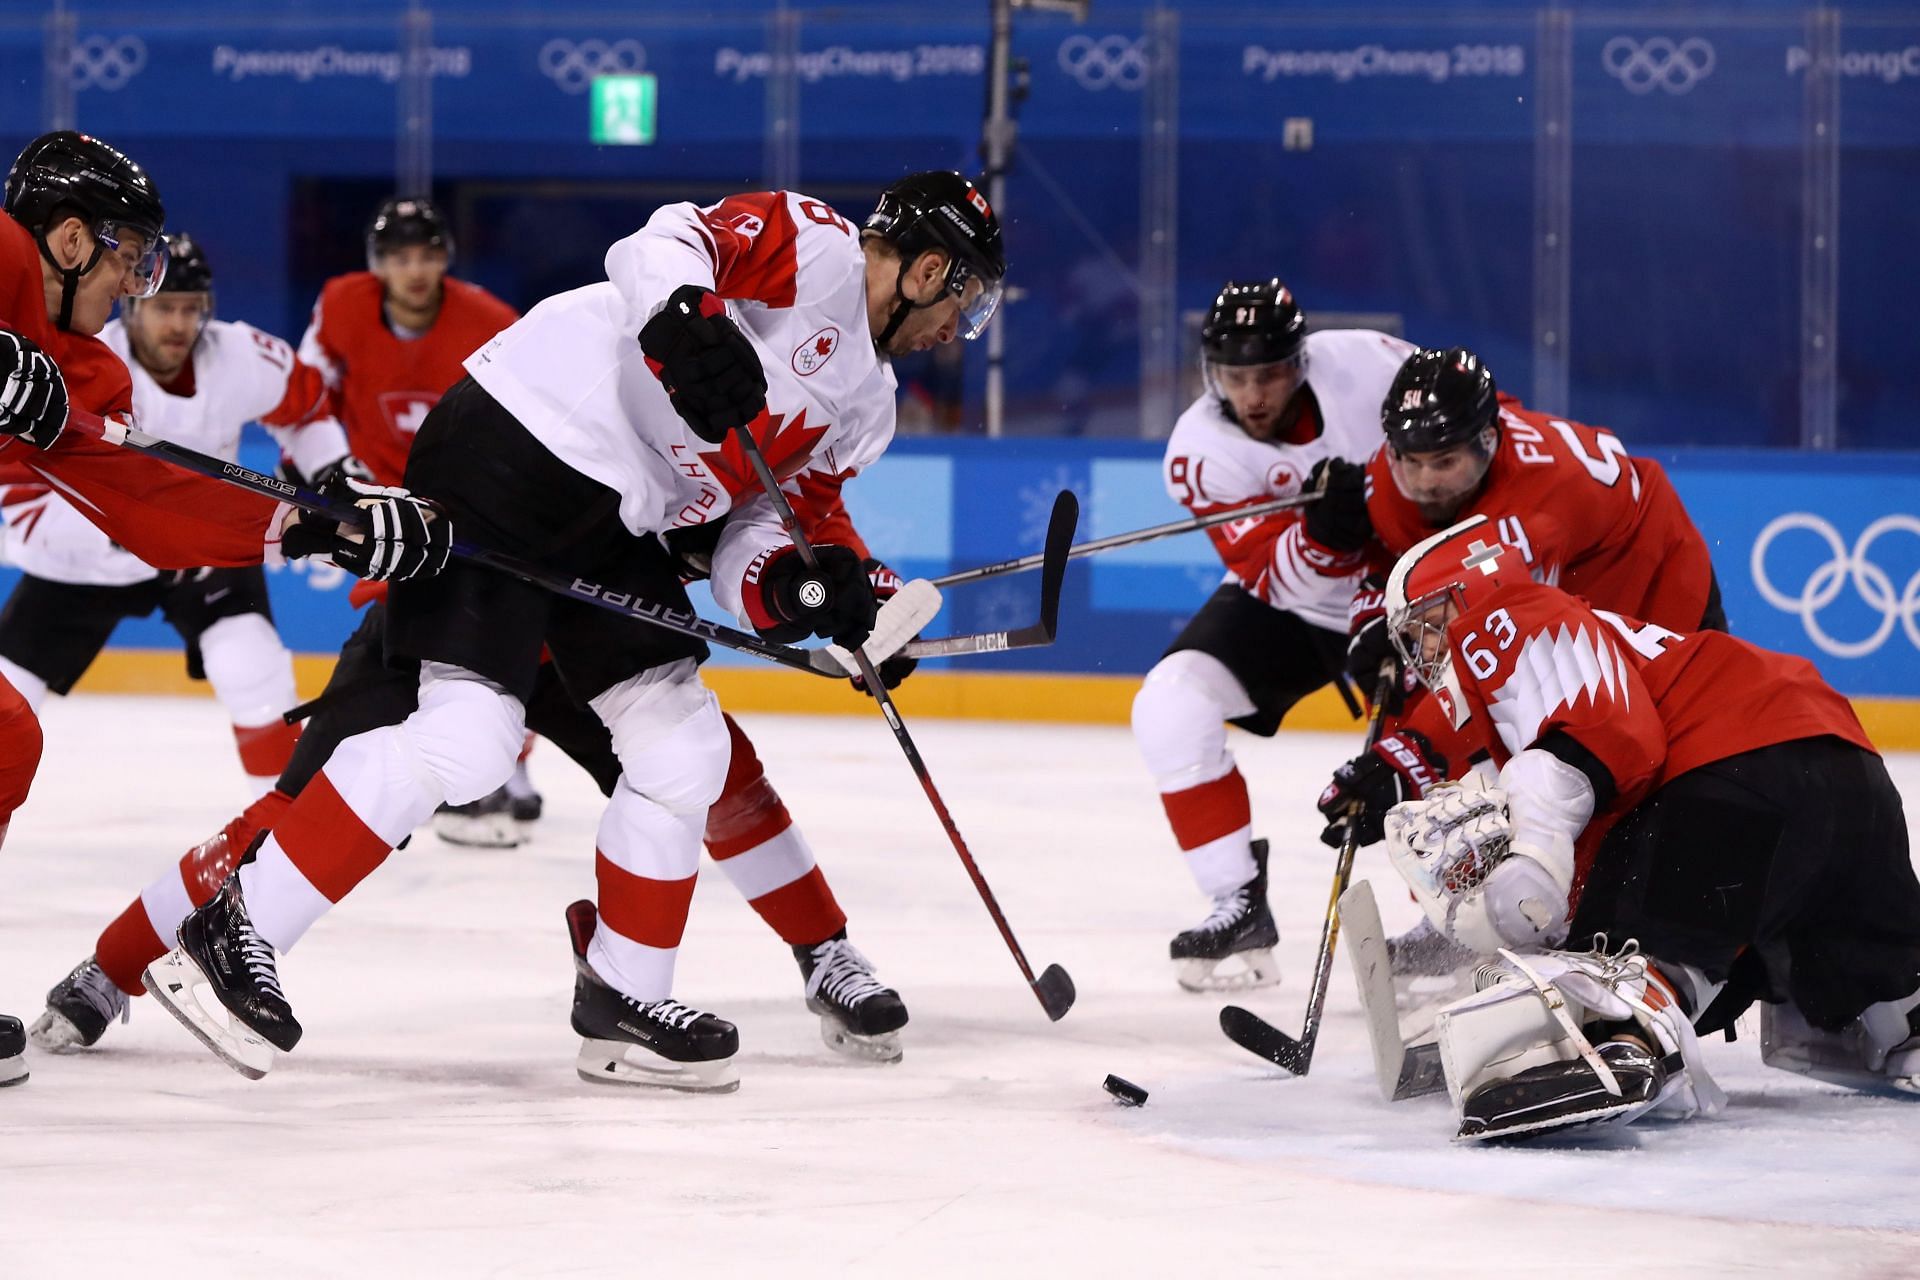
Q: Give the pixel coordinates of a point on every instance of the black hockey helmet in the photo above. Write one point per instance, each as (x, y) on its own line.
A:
(404, 220)
(188, 270)
(1440, 398)
(940, 209)
(67, 173)
(1253, 322)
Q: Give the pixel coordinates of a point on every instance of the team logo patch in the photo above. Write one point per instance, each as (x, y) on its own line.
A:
(815, 351)
(979, 202)
(405, 410)
(1282, 479)
(746, 225)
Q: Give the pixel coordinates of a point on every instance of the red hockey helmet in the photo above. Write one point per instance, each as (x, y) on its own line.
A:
(1436, 582)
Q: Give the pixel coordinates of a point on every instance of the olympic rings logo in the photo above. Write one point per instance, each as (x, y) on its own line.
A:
(573, 66)
(102, 62)
(1658, 63)
(1823, 586)
(1108, 61)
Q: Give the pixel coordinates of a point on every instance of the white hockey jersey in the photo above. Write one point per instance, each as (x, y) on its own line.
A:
(239, 375)
(1211, 464)
(794, 278)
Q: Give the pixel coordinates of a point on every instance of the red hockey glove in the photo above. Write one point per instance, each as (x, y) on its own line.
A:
(1402, 766)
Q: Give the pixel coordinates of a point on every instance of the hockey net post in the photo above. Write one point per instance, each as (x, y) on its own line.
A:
(1052, 987)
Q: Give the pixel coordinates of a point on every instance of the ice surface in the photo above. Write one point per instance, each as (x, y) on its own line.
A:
(431, 1122)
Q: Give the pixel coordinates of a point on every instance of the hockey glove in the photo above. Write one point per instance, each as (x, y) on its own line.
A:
(886, 585)
(794, 602)
(1338, 521)
(33, 395)
(403, 537)
(710, 370)
(1402, 766)
(1369, 646)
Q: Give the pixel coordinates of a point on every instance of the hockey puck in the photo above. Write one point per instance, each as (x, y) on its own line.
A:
(1126, 1092)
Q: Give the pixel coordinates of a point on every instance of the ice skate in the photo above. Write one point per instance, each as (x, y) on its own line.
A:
(860, 1016)
(1425, 952)
(486, 823)
(1239, 928)
(13, 1051)
(662, 1044)
(221, 983)
(1565, 1095)
(80, 1008)
(524, 802)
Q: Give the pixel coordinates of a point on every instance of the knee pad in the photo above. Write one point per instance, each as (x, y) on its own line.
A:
(466, 733)
(31, 688)
(670, 736)
(1180, 715)
(249, 668)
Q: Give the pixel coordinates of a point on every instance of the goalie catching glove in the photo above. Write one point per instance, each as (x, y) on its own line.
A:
(793, 602)
(402, 537)
(710, 371)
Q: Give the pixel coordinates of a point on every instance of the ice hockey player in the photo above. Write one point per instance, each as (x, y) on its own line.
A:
(84, 228)
(391, 340)
(1581, 513)
(1284, 412)
(1711, 812)
(196, 381)
(767, 310)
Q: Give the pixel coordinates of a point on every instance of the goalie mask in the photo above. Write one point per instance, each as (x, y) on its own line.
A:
(1434, 583)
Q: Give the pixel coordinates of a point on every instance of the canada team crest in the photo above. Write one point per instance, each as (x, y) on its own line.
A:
(816, 351)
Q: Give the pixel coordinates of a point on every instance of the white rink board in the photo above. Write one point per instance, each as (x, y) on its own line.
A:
(431, 1122)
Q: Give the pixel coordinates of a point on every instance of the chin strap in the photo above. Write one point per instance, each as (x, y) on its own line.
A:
(69, 277)
(901, 308)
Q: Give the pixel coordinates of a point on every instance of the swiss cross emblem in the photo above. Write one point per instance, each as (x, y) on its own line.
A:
(1483, 557)
(815, 351)
(979, 202)
(405, 410)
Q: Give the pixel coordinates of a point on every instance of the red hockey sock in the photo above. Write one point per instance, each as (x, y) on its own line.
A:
(127, 947)
(774, 868)
(265, 748)
(1209, 811)
(327, 842)
(20, 744)
(804, 912)
(642, 909)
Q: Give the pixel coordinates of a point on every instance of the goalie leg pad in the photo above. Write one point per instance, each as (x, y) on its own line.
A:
(1868, 1055)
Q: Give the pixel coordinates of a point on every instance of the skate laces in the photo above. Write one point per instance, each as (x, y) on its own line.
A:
(258, 957)
(668, 1013)
(1227, 910)
(91, 983)
(843, 973)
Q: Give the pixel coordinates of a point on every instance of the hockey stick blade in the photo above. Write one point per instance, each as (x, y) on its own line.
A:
(1264, 1040)
(1055, 990)
(1053, 576)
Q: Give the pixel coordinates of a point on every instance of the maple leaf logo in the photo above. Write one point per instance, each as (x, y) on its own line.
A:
(815, 351)
(786, 444)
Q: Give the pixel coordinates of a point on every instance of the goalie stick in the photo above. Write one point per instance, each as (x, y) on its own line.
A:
(1402, 1070)
(683, 621)
(1255, 1034)
(1052, 987)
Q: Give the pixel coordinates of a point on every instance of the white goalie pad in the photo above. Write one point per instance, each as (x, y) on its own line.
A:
(904, 616)
(1536, 1011)
(183, 991)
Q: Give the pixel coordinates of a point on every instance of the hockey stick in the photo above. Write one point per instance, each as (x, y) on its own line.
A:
(682, 621)
(1053, 988)
(1255, 1034)
(1402, 1070)
(1024, 563)
(1053, 560)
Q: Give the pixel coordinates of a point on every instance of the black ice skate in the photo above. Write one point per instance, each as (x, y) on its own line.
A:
(486, 823)
(525, 802)
(80, 1008)
(1425, 952)
(1564, 1095)
(1240, 926)
(662, 1044)
(860, 1016)
(221, 983)
(13, 1051)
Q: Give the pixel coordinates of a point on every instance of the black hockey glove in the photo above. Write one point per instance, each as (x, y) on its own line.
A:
(403, 537)
(886, 585)
(1338, 521)
(793, 602)
(33, 395)
(710, 370)
(1369, 646)
(1402, 766)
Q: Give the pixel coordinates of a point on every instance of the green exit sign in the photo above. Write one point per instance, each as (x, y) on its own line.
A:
(623, 109)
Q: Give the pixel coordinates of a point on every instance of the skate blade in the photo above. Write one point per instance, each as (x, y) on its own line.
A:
(13, 1070)
(53, 1032)
(177, 983)
(494, 831)
(1256, 969)
(616, 1062)
(843, 1040)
